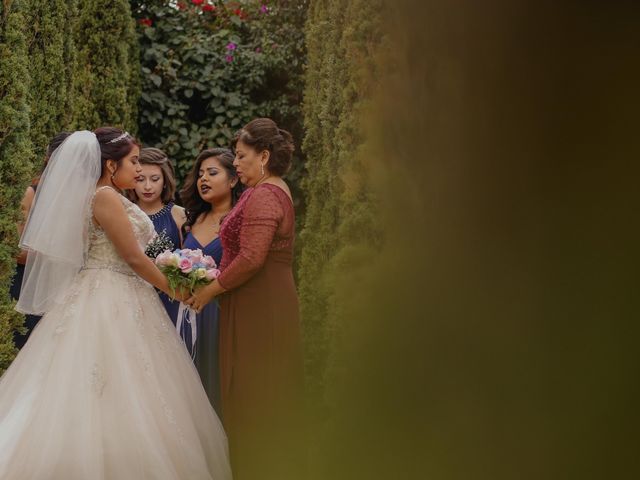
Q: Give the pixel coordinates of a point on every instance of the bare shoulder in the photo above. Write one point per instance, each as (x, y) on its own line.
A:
(29, 193)
(107, 202)
(178, 211)
(106, 195)
(27, 198)
(179, 215)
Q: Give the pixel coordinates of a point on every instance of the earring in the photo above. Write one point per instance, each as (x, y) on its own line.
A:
(113, 174)
(262, 168)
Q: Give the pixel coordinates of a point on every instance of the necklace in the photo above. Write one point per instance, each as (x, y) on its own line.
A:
(161, 212)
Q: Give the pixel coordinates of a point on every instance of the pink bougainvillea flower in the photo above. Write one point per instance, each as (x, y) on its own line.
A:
(229, 58)
(231, 46)
(264, 9)
(197, 2)
(208, 8)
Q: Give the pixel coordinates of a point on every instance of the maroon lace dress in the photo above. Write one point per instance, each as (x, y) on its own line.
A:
(260, 344)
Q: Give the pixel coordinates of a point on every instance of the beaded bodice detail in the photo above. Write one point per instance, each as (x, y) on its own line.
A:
(102, 253)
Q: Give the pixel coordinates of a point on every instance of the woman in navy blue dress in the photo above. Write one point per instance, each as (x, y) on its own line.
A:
(154, 194)
(211, 190)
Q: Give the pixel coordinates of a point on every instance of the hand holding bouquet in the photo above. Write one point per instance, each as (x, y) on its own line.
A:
(187, 268)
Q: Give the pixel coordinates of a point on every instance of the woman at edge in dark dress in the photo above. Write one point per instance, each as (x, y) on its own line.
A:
(260, 342)
(25, 205)
(211, 190)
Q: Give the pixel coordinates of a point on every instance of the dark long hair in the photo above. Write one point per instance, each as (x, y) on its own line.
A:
(155, 156)
(194, 205)
(264, 134)
(111, 149)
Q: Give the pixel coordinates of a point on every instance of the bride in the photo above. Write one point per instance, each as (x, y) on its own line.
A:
(104, 388)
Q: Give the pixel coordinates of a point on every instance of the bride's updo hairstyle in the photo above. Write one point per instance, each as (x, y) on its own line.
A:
(263, 134)
(115, 144)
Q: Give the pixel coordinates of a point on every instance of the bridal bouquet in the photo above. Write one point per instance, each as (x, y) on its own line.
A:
(187, 268)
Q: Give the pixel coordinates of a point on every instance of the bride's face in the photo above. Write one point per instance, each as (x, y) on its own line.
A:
(126, 176)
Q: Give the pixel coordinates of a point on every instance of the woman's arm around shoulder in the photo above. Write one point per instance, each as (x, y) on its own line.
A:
(180, 217)
(25, 208)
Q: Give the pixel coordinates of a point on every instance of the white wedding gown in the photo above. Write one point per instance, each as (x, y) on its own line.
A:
(105, 389)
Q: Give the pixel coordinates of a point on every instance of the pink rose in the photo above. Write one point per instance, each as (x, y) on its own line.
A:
(212, 273)
(164, 259)
(209, 262)
(185, 265)
(195, 256)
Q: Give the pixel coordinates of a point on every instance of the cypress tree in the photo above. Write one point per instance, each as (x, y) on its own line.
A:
(15, 147)
(134, 80)
(107, 65)
(339, 232)
(322, 187)
(51, 63)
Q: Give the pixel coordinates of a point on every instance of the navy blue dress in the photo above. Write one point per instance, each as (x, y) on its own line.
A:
(30, 321)
(163, 221)
(206, 359)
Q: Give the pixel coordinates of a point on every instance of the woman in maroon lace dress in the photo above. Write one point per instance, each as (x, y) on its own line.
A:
(260, 345)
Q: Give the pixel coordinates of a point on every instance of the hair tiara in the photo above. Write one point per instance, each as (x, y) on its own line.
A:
(119, 137)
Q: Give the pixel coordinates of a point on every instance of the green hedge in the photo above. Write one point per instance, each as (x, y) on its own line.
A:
(340, 231)
(209, 68)
(107, 71)
(51, 51)
(15, 147)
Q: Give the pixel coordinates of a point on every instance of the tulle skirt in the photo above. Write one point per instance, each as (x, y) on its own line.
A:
(105, 389)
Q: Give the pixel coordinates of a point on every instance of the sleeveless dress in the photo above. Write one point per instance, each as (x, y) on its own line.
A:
(104, 388)
(260, 341)
(207, 323)
(163, 222)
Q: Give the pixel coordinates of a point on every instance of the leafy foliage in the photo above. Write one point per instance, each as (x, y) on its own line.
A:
(106, 77)
(210, 67)
(15, 147)
(51, 69)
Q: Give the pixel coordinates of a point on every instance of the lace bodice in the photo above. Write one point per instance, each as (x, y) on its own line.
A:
(260, 228)
(102, 253)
